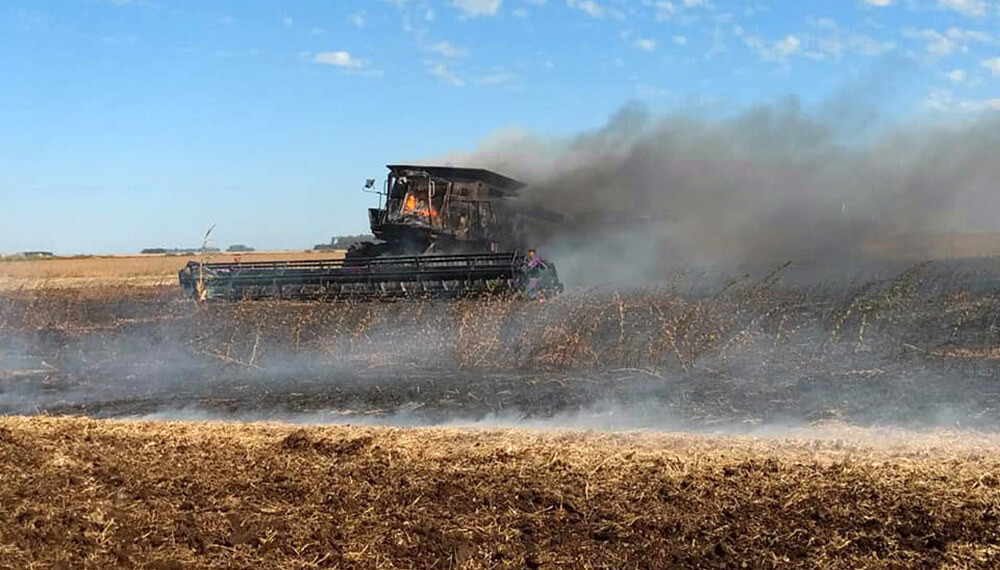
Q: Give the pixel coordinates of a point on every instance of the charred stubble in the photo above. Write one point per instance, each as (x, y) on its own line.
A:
(912, 345)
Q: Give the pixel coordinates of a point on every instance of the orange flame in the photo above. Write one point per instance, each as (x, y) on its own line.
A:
(410, 207)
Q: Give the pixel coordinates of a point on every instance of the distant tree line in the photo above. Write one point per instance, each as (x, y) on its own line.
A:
(343, 242)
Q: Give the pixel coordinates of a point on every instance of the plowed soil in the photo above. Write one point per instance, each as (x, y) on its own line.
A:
(79, 493)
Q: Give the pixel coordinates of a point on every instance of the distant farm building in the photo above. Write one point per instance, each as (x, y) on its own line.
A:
(36, 254)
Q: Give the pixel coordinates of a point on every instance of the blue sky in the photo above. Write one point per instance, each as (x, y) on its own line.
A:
(135, 123)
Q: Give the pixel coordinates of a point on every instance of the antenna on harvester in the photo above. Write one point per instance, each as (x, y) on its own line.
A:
(201, 265)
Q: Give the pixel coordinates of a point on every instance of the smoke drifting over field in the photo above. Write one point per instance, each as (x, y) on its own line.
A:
(911, 346)
(771, 184)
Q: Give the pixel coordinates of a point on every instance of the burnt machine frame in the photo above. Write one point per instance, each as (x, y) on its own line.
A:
(463, 211)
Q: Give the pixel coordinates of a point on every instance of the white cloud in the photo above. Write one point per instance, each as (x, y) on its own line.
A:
(666, 10)
(520, 13)
(288, 22)
(992, 64)
(879, 3)
(338, 59)
(645, 44)
(357, 19)
(476, 8)
(681, 11)
(447, 49)
(444, 73)
(940, 100)
(940, 44)
(829, 41)
(645, 91)
(787, 46)
(957, 75)
(680, 40)
(595, 10)
(498, 76)
(771, 51)
(588, 7)
(967, 7)
(944, 101)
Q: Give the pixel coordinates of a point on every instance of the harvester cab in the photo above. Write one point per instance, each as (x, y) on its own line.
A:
(443, 232)
(441, 209)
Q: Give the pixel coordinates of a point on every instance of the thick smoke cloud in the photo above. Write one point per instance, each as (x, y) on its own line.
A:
(772, 184)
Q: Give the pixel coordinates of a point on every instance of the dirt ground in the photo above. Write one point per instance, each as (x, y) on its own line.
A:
(80, 493)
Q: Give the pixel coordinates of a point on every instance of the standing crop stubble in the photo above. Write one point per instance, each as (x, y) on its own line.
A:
(911, 345)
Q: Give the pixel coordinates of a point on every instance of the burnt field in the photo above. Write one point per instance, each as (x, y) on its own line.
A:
(903, 344)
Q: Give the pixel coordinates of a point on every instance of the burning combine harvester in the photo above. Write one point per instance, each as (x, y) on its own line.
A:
(441, 231)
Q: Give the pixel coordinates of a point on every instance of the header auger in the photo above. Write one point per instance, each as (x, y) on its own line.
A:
(442, 232)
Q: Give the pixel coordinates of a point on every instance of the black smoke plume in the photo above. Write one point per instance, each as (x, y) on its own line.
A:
(775, 183)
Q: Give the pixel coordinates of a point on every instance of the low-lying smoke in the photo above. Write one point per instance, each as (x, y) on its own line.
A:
(771, 184)
(909, 345)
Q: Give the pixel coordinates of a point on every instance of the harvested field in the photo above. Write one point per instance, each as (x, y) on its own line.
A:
(123, 270)
(158, 495)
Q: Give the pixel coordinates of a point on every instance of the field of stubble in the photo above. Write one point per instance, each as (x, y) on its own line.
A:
(79, 493)
(122, 270)
(868, 399)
